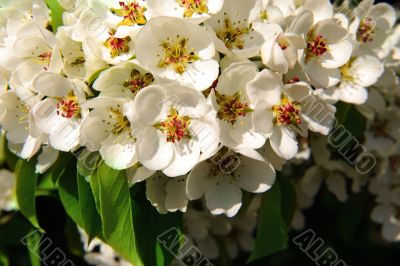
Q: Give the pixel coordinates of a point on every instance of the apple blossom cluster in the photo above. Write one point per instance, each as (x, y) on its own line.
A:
(199, 99)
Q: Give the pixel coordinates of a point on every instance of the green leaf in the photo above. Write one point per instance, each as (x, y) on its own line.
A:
(116, 213)
(342, 110)
(272, 231)
(56, 14)
(33, 246)
(11, 159)
(68, 191)
(351, 214)
(3, 259)
(91, 221)
(73, 238)
(95, 186)
(355, 123)
(64, 160)
(25, 189)
(88, 162)
(288, 206)
(149, 225)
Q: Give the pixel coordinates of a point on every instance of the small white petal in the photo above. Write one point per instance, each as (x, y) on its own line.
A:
(223, 196)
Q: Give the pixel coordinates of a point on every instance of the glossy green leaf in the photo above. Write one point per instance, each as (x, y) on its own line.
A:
(11, 159)
(91, 221)
(351, 214)
(64, 161)
(116, 213)
(33, 246)
(88, 162)
(56, 14)
(272, 231)
(3, 259)
(68, 191)
(342, 111)
(288, 206)
(73, 238)
(149, 225)
(25, 189)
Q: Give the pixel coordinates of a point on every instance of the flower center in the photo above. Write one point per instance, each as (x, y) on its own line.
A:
(68, 106)
(316, 46)
(138, 81)
(264, 15)
(287, 113)
(366, 30)
(121, 123)
(231, 108)
(175, 127)
(232, 33)
(193, 7)
(117, 46)
(283, 43)
(131, 12)
(45, 59)
(177, 55)
(294, 79)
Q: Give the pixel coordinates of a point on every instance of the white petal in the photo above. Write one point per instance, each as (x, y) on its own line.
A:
(154, 97)
(176, 195)
(153, 150)
(338, 54)
(351, 93)
(155, 191)
(138, 174)
(330, 30)
(322, 9)
(118, 156)
(207, 132)
(283, 142)
(244, 134)
(235, 77)
(52, 85)
(255, 176)
(26, 150)
(266, 86)
(65, 134)
(321, 77)
(366, 70)
(46, 159)
(186, 155)
(302, 23)
(223, 196)
(263, 119)
(197, 181)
